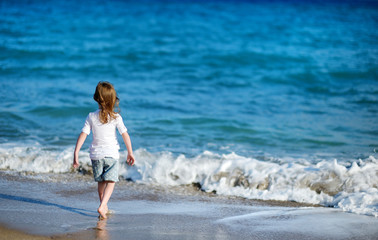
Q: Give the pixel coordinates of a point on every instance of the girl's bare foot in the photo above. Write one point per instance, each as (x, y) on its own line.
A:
(102, 211)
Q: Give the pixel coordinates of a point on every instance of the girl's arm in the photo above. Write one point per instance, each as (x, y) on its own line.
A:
(130, 157)
(80, 141)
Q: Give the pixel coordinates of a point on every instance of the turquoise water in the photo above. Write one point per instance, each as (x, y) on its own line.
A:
(283, 79)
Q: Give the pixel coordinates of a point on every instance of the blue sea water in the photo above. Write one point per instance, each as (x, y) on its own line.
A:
(268, 80)
(251, 77)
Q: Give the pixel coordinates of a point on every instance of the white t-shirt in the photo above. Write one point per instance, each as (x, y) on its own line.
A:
(104, 142)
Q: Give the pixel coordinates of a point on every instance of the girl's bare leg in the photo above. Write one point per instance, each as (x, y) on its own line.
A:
(107, 193)
(101, 189)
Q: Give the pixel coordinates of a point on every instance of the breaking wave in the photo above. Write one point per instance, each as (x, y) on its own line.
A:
(352, 187)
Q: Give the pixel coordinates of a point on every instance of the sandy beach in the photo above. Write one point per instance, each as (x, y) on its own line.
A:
(64, 207)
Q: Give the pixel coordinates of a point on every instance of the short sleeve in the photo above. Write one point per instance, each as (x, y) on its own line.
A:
(120, 125)
(87, 127)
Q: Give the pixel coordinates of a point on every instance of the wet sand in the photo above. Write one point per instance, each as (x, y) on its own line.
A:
(64, 207)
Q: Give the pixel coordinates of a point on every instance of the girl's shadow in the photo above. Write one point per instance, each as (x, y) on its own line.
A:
(80, 211)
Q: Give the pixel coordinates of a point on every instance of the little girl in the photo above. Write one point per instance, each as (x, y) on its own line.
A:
(104, 148)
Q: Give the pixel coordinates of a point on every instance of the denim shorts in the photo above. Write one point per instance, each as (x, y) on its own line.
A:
(105, 169)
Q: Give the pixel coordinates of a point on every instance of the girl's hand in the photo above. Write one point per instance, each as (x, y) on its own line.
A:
(130, 159)
(79, 143)
(75, 163)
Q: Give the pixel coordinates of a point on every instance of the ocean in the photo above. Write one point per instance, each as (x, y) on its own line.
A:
(270, 100)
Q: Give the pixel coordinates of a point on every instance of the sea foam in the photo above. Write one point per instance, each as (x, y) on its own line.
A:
(350, 187)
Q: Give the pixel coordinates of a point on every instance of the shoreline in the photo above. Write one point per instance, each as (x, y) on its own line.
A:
(66, 209)
(16, 234)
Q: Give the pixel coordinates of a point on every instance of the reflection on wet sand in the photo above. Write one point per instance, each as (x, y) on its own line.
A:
(101, 231)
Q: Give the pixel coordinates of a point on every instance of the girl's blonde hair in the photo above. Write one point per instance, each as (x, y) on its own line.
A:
(106, 97)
